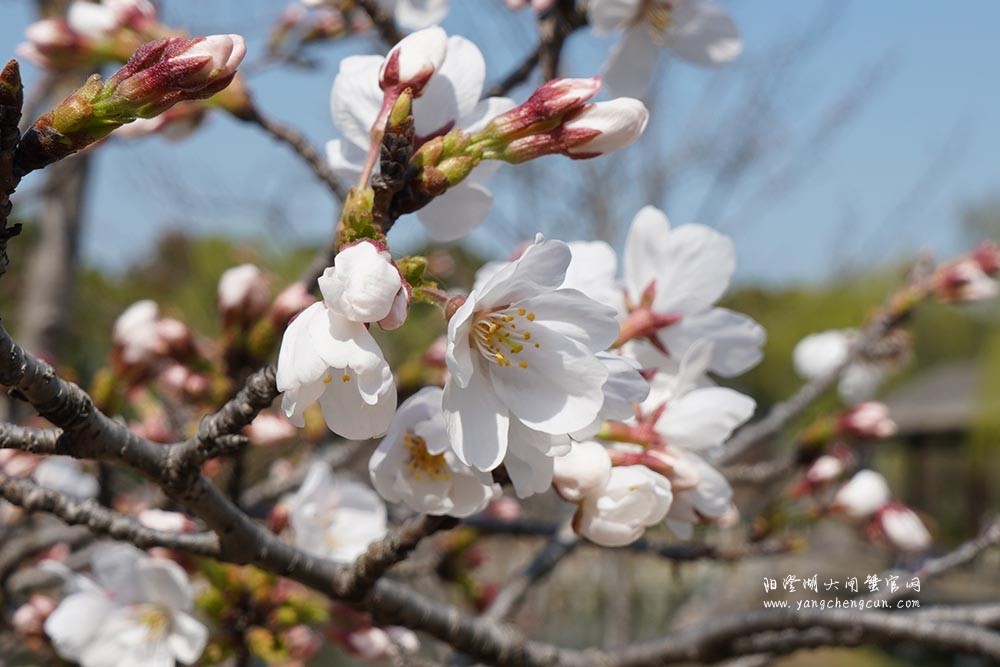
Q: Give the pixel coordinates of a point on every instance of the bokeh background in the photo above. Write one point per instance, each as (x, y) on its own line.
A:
(849, 138)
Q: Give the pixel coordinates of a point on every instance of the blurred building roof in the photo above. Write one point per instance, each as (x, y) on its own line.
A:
(942, 399)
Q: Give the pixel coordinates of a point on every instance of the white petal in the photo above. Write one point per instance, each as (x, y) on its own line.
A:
(736, 338)
(75, 622)
(540, 268)
(528, 466)
(114, 567)
(477, 423)
(345, 159)
(703, 33)
(457, 212)
(348, 414)
(362, 284)
(356, 99)
(559, 389)
(704, 418)
(458, 355)
(691, 264)
(631, 64)
(164, 582)
(188, 638)
(453, 91)
(576, 316)
(298, 361)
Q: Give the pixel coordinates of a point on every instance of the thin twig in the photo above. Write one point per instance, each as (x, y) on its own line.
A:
(303, 149)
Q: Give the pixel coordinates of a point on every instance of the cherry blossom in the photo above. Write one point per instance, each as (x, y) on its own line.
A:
(333, 517)
(242, 294)
(698, 31)
(450, 99)
(903, 528)
(634, 498)
(678, 274)
(522, 352)
(328, 358)
(135, 611)
(583, 471)
(414, 463)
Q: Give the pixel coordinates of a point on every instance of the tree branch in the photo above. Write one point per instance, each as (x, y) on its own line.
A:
(100, 520)
(298, 143)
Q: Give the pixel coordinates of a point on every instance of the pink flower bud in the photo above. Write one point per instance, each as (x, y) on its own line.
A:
(550, 103)
(582, 472)
(903, 528)
(987, 255)
(825, 469)
(290, 302)
(413, 61)
(504, 508)
(269, 428)
(53, 45)
(166, 71)
(964, 281)
(869, 419)
(242, 295)
(302, 642)
(29, 619)
(595, 130)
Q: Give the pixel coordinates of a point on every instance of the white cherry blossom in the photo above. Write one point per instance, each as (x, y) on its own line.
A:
(137, 610)
(328, 358)
(698, 31)
(414, 463)
(522, 350)
(335, 518)
(451, 99)
(634, 498)
(686, 270)
(363, 284)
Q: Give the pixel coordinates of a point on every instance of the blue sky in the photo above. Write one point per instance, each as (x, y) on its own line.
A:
(894, 179)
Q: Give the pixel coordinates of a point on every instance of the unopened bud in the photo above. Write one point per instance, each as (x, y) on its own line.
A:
(903, 528)
(546, 107)
(159, 75)
(413, 61)
(987, 255)
(869, 419)
(863, 495)
(582, 472)
(964, 281)
(242, 295)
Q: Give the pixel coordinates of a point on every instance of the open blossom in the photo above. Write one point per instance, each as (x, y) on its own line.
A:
(863, 495)
(328, 358)
(677, 275)
(903, 528)
(414, 463)
(450, 100)
(822, 353)
(634, 498)
(364, 285)
(135, 611)
(523, 352)
(335, 518)
(698, 31)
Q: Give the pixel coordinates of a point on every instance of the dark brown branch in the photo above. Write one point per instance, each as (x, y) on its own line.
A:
(11, 102)
(100, 520)
(298, 143)
(30, 440)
